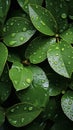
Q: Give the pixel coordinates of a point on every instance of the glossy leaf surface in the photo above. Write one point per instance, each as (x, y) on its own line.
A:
(22, 114)
(3, 56)
(20, 76)
(36, 52)
(42, 20)
(67, 104)
(17, 31)
(60, 58)
(37, 93)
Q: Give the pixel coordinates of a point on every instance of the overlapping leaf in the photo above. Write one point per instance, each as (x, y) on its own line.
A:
(17, 31)
(24, 3)
(67, 104)
(68, 35)
(3, 56)
(4, 7)
(60, 58)
(20, 76)
(36, 52)
(59, 10)
(43, 20)
(22, 114)
(37, 93)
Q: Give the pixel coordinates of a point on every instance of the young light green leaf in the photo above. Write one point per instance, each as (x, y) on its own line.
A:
(68, 35)
(22, 114)
(17, 31)
(24, 3)
(60, 58)
(59, 10)
(3, 56)
(2, 116)
(37, 93)
(67, 104)
(20, 76)
(36, 51)
(4, 7)
(42, 20)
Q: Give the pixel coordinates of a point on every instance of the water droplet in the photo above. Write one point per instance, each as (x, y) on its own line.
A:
(40, 57)
(64, 15)
(4, 29)
(13, 34)
(14, 122)
(21, 38)
(70, 102)
(37, 18)
(57, 54)
(63, 91)
(24, 83)
(62, 64)
(62, 49)
(42, 23)
(55, 63)
(22, 120)
(25, 108)
(15, 82)
(30, 108)
(69, 63)
(36, 6)
(24, 29)
(12, 110)
(12, 42)
(38, 26)
(28, 81)
(11, 23)
(57, 48)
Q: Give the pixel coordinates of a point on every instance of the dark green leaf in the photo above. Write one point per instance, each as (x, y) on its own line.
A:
(59, 10)
(24, 3)
(43, 20)
(22, 114)
(13, 57)
(20, 76)
(68, 35)
(67, 104)
(3, 56)
(37, 93)
(60, 58)
(36, 52)
(17, 31)
(2, 116)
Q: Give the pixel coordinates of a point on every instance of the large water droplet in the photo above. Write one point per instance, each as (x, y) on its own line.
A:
(21, 38)
(28, 81)
(12, 42)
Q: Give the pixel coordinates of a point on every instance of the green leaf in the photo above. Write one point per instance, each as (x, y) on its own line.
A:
(17, 31)
(22, 114)
(68, 35)
(37, 93)
(3, 56)
(24, 3)
(36, 51)
(4, 7)
(42, 20)
(60, 58)
(59, 10)
(70, 8)
(67, 104)
(2, 116)
(20, 76)
(13, 57)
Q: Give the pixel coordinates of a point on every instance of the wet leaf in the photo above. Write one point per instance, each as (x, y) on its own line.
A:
(22, 114)
(67, 104)
(42, 20)
(17, 31)
(36, 52)
(20, 76)
(68, 35)
(13, 57)
(60, 57)
(37, 93)
(4, 7)
(3, 56)
(59, 10)
(24, 3)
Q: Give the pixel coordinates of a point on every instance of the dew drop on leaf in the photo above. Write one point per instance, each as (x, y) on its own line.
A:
(64, 16)
(12, 42)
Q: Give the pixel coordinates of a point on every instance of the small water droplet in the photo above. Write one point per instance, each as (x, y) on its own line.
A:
(24, 29)
(37, 18)
(12, 110)
(42, 23)
(22, 120)
(25, 108)
(24, 83)
(12, 42)
(57, 54)
(62, 49)
(62, 64)
(15, 82)
(69, 62)
(11, 23)
(30, 108)
(14, 122)
(36, 6)
(57, 48)
(28, 80)
(13, 34)
(64, 15)
(40, 57)
(4, 29)
(70, 102)
(21, 38)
